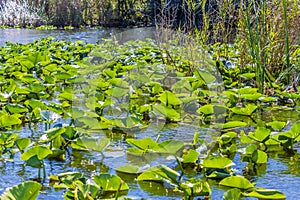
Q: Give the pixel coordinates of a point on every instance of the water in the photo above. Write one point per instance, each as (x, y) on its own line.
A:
(87, 35)
(281, 173)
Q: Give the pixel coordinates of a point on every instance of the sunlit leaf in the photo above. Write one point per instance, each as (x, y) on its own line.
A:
(39, 151)
(159, 173)
(262, 193)
(190, 157)
(237, 182)
(110, 183)
(28, 190)
(232, 194)
(217, 162)
(128, 169)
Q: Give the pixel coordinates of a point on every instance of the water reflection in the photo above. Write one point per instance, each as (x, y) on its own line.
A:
(87, 35)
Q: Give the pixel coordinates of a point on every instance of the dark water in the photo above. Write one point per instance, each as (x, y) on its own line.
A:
(282, 172)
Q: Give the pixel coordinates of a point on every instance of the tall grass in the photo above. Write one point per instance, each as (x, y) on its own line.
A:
(271, 35)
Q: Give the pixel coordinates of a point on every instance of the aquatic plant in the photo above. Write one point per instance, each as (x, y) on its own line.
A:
(103, 96)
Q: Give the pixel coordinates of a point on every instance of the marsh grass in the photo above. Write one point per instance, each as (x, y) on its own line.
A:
(263, 35)
(271, 37)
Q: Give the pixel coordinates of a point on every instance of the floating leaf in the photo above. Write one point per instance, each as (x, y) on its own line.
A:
(88, 143)
(159, 173)
(39, 151)
(110, 183)
(217, 162)
(143, 144)
(169, 98)
(128, 169)
(195, 187)
(217, 173)
(237, 182)
(206, 109)
(247, 110)
(251, 97)
(15, 108)
(262, 193)
(28, 190)
(261, 134)
(190, 157)
(232, 194)
(169, 146)
(54, 132)
(233, 124)
(7, 120)
(166, 111)
(22, 143)
(260, 157)
(205, 76)
(276, 125)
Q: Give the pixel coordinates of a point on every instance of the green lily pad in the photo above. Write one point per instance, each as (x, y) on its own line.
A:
(237, 182)
(15, 108)
(7, 120)
(169, 146)
(190, 157)
(232, 194)
(276, 125)
(39, 151)
(159, 174)
(28, 190)
(217, 162)
(262, 193)
(233, 124)
(169, 98)
(22, 143)
(128, 169)
(247, 110)
(110, 183)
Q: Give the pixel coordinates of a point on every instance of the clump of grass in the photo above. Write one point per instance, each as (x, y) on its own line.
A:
(269, 40)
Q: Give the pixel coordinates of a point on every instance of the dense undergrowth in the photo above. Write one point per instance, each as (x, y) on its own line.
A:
(78, 90)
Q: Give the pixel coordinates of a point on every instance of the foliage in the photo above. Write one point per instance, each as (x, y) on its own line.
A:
(28, 190)
(92, 98)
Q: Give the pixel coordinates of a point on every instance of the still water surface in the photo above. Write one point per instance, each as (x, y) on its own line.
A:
(87, 35)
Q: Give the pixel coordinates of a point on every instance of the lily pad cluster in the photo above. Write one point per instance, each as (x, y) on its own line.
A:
(85, 94)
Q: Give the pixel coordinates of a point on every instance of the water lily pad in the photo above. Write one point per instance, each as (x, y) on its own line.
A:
(15, 108)
(128, 169)
(22, 143)
(261, 134)
(237, 182)
(277, 125)
(190, 157)
(7, 120)
(260, 157)
(262, 193)
(169, 98)
(247, 110)
(233, 124)
(195, 187)
(206, 109)
(28, 190)
(169, 146)
(39, 151)
(110, 183)
(232, 194)
(217, 162)
(143, 144)
(159, 174)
